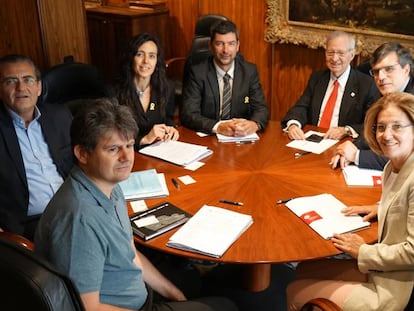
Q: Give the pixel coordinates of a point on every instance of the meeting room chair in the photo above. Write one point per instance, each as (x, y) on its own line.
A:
(71, 83)
(177, 67)
(323, 304)
(30, 283)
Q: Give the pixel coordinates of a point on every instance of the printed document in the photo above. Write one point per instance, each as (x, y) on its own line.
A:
(211, 231)
(323, 214)
(311, 146)
(176, 152)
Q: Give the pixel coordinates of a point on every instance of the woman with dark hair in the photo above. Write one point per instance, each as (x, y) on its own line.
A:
(142, 85)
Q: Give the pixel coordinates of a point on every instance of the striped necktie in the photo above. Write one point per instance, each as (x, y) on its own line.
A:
(226, 98)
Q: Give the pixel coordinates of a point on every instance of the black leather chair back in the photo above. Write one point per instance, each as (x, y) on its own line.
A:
(205, 22)
(71, 84)
(29, 283)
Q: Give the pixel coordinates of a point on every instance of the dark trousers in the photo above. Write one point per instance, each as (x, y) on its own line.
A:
(198, 304)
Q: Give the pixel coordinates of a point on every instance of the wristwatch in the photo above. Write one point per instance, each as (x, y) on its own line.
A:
(348, 130)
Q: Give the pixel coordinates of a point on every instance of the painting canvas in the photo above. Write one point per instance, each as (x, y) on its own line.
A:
(373, 22)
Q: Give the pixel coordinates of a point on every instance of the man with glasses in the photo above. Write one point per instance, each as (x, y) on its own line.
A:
(392, 70)
(35, 152)
(336, 98)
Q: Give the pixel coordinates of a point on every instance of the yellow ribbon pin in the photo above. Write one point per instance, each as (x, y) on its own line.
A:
(246, 99)
(152, 106)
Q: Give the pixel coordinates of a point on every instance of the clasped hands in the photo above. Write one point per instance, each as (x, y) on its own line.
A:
(237, 127)
(345, 154)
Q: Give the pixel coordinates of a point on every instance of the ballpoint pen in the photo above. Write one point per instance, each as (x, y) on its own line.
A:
(284, 200)
(231, 202)
(299, 154)
(176, 184)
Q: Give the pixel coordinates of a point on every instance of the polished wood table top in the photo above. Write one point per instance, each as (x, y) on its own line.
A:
(258, 175)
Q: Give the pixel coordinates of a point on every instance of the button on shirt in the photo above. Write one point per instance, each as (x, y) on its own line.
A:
(42, 176)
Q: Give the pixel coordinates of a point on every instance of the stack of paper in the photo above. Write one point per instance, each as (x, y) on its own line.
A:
(144, 184)
(176, 152)
(323, 214)
(311, 146)
(235, 139)
(211, 231)
(355, 176)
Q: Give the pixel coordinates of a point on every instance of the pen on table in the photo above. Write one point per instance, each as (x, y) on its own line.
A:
(283, 200)
(176, 184)
(231, 202)
(299, 154)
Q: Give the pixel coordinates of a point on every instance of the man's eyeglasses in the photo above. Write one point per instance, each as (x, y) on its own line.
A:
(395, 127)
(387, 70)
(332, 53)
(27, 80)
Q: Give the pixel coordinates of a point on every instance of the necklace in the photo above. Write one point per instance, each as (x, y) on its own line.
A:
(141, 93)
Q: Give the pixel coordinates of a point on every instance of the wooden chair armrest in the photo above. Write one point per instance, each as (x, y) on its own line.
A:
(172, 60)
(17, 239)
(321, 304)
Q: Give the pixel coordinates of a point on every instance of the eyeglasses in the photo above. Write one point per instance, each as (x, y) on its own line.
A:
(27, 80)
(331, 53)
(387, 70)
(395, 127)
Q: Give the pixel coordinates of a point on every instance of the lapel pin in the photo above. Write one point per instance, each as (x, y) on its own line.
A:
(352, 94)
(152, 106)
(246, 99)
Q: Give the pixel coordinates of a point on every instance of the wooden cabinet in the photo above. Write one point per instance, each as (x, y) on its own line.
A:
(111, 28)
(44, 30)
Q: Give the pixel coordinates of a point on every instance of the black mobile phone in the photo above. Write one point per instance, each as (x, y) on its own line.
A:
(314, 138)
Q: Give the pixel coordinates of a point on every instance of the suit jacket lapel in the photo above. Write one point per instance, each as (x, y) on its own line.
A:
(386, 201)
(410, 86)
(11, 141)
(214, 87)
(320, 90)
(350, 91)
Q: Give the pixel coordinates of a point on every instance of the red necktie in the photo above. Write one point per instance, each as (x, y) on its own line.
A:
(329, 108)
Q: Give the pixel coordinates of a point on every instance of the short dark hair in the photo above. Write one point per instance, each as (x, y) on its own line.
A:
(97, 117)
(402, 100)
(223, 27)
(403, 54)
(16, 58)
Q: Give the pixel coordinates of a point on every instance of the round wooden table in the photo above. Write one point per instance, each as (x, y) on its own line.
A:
(258, 175)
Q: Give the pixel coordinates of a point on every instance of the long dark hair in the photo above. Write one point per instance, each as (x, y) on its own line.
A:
(126, 89)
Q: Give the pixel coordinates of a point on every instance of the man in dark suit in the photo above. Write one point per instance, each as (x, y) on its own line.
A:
(35, 151)
(355, 92)
(392, 70)
(205, 106)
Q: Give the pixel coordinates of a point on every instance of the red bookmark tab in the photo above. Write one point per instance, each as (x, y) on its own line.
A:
(377, 181)
(310, 217)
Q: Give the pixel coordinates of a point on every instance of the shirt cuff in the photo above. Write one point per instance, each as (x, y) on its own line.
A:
(291, 122)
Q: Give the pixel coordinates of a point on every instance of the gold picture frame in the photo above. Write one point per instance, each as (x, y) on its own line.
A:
(312, 34)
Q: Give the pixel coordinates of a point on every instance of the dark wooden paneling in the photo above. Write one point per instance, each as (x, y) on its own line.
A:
(20, 30)
(44, 30)
(291, 69)
(111, 28)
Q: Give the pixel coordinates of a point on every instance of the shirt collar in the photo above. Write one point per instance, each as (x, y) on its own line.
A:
(18, 120)
(221, 72)
(343, 78)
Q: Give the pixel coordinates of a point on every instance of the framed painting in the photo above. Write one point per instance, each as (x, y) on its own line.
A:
(372, 22)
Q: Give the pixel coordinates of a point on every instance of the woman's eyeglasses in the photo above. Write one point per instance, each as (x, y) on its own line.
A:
(395, 127)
